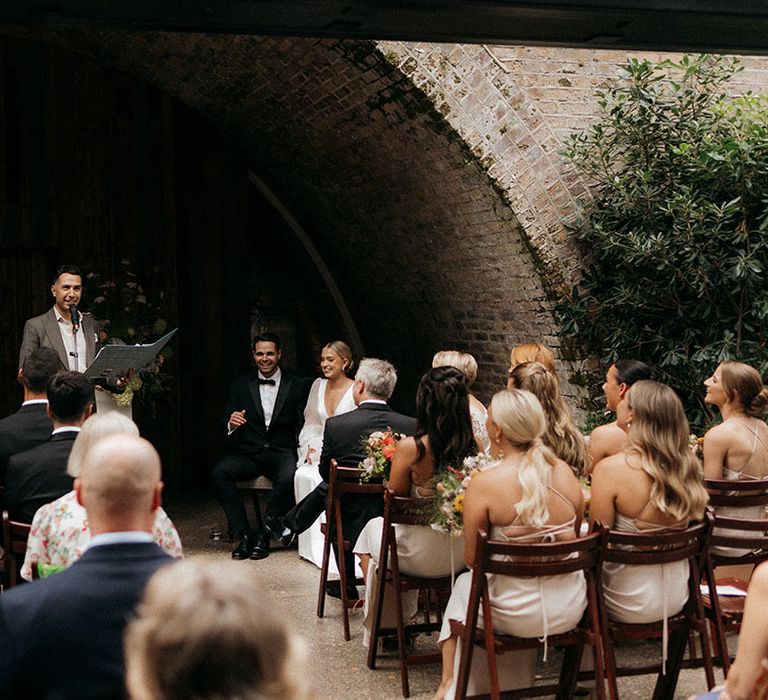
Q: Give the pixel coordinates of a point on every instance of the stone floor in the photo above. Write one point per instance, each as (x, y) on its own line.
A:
(338, 668)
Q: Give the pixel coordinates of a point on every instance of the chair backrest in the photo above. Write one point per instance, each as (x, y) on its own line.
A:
(15, 537)
(537, 558)
(739, 493)
(406, 510)
(346, 479)
(657, 547)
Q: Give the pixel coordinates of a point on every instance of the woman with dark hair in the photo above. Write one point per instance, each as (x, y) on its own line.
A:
(561, 436)
(610, 439)
(443, 438)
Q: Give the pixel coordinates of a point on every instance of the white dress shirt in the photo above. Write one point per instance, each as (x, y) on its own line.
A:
(75, 363)
(268, 393)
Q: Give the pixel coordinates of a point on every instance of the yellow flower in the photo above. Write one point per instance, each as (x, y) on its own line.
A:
(458, 503)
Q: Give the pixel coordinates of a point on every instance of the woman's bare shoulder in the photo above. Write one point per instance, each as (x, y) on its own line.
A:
(610, 466)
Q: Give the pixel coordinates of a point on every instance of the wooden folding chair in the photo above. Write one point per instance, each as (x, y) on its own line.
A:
(341, 480)
(15, 536)
(649, 549)
(405, 511)
(532, 560)
(747, 534)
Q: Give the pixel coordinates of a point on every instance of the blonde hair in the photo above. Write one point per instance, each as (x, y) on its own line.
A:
(344, 352)
(204, 630)
(561, 434)
(98, 426)
(659, 435)
(462, 361)
(532, 352)
(521, 418)
(746, 382)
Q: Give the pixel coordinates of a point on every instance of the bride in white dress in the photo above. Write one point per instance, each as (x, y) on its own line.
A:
(330, 395)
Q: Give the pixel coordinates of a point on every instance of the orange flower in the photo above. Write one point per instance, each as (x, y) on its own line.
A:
(388, 451)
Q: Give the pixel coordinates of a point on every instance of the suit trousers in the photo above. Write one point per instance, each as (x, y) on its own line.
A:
(277, 465)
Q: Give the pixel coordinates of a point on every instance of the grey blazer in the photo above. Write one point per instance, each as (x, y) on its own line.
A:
(43, 332)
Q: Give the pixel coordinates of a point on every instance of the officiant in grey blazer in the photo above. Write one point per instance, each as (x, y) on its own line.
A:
(54, 328)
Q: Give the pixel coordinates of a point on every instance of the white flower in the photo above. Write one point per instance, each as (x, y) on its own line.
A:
(99, 300)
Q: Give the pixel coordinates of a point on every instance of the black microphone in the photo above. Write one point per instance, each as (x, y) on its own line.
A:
(75, 318)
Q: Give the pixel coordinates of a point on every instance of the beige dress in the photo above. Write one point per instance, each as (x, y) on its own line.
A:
(524, 607)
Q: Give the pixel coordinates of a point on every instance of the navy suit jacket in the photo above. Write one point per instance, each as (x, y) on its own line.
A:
(29, 426)
(287, 416)
(38, 476)
(62, 637)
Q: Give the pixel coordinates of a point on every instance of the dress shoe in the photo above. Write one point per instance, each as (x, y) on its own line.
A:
(333, 589)
(278, 530)
(244, 548)
(261, 547)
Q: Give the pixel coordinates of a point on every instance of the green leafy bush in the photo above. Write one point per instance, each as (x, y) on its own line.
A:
(676, 235)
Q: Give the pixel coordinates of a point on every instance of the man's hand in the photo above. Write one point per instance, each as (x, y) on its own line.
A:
(236, 420)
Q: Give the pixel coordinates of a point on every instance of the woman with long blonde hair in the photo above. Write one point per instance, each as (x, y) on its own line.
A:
(529, 496)
(654, 484)
(561, 436)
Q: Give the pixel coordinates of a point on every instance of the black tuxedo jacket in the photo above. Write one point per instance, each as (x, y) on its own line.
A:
(287, 417)
(38, 476)
(29, 426)
(62, 637)
(344, 434)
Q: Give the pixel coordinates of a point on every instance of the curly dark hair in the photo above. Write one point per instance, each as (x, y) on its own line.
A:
(442, 414)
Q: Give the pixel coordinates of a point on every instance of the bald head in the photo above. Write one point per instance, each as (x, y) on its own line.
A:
(119, 484)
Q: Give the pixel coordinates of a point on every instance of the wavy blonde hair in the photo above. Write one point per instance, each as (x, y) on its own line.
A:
(561, 435)
(521, 418)
(659, 435)
(532, 352)
(462, 361)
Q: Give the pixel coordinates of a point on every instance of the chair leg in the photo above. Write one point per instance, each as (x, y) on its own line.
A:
(569, 671)
(402, 651)
(324, 573)
(667, 682)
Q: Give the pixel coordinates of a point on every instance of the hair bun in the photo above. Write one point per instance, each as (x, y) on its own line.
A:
(759, 405)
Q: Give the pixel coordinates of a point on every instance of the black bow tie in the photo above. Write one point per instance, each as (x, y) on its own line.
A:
(266, 381)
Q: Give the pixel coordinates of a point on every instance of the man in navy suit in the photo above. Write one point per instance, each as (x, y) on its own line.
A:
(62, 637)
(39, 475)
(31, 424)
(263, 416)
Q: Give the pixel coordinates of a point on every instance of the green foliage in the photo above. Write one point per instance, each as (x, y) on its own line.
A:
(676, 234)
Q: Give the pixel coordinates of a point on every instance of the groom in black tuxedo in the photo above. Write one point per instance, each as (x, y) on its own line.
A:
(263, 416)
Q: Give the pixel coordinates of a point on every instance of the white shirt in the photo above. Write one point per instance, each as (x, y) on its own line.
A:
(66, 429)
(33, 402)
(268, 393)
(125, 537)
(76, 364)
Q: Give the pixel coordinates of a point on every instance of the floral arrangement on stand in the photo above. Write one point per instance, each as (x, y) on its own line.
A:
(450, 486)
(379, 450)
(126, 316)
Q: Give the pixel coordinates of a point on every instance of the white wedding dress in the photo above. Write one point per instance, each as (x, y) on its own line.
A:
(307, 475)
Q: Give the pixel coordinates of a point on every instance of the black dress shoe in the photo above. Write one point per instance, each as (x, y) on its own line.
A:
(333, 589)
(244, 548)
(261, 547)
(278, 530)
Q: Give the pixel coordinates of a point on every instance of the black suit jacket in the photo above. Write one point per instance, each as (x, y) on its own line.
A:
(343, 441)
(344, 434)
(62, 637)
(287, 417)
(38, 476)
(29, 426)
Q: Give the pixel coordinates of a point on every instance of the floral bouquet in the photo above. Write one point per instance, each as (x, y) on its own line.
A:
(379, 450)
(697, 445)
(450, 486)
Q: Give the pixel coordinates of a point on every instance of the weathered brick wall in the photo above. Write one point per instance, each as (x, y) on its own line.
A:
(428, 176)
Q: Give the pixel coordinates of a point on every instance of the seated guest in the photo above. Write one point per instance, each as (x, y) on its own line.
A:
(737, 449)
(443, 438)
(561, 436)
(329, 396)
(530, 352)
(343, 440)
(529, 496)
(652, 485)
(262, 419)
(609, 439)
(204, 630)
(60, 532)
(31, 424)
(39, 475)
(467, 364)
(62, 637)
